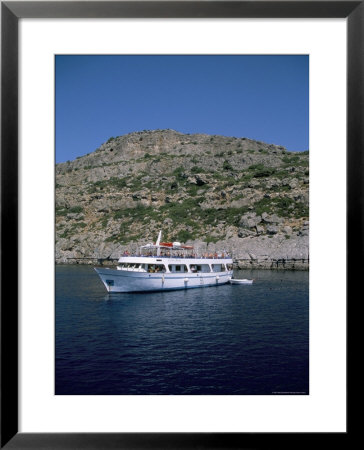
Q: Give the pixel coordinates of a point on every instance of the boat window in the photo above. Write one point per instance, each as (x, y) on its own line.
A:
(218, 267)
(181, 268)
(130, 266)
(155, 268)
(202, 268)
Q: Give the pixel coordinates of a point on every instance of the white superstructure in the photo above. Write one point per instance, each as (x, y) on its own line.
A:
(166, 266)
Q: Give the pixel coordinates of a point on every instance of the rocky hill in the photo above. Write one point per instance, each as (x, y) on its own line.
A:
(234, 194)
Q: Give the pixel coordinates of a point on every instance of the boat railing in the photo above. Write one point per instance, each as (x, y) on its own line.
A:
(178, 256)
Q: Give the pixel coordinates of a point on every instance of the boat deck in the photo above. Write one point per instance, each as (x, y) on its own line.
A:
(176, 256)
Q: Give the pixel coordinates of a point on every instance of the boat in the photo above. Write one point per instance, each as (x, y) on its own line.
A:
(165, 266)
(241, 281)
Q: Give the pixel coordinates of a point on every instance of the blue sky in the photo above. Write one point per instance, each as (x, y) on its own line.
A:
(259, 97)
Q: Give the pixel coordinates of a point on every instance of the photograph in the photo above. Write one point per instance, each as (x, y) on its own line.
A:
(181, 224)
(181, 184)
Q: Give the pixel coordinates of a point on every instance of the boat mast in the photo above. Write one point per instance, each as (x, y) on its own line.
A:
(158, 241)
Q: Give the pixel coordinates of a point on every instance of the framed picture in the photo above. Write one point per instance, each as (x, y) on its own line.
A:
(14, 50)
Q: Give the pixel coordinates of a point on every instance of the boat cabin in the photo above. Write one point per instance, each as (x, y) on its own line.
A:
(173, 257)
(175, 267)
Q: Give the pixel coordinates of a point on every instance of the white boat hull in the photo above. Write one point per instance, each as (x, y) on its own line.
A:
(127, 281)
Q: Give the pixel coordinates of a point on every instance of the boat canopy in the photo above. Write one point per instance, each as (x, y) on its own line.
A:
(168, 245)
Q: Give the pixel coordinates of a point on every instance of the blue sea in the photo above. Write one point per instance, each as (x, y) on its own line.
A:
(224, 340)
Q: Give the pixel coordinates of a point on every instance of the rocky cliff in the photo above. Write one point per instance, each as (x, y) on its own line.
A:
(234, 194)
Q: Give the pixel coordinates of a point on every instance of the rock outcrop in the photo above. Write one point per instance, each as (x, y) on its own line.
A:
(234, 194)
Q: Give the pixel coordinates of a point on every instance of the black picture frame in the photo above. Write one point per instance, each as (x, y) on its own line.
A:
(11, 12)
